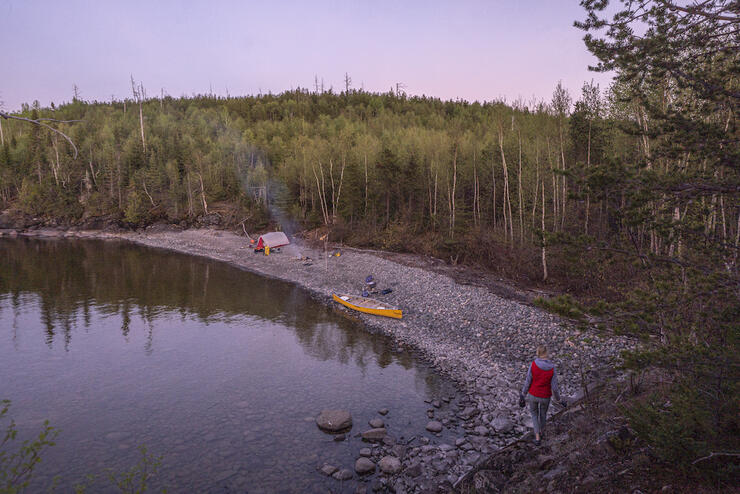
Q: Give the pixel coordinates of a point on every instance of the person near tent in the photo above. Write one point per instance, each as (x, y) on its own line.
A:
(540, 385)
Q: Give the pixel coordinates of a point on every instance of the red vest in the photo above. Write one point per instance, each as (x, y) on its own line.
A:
(541, 379)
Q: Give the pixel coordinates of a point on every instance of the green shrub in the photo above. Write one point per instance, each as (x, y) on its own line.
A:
(17, 466)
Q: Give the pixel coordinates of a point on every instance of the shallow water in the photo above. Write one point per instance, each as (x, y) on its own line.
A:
(219, 371)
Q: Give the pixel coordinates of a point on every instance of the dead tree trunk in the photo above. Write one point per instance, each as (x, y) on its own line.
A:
(365, 185)
(320, 190)
(493, 189)
(452, 198)
(544, 241)
(588, 164)
(521, 209)
(202, 194)
(339, 189)
(565, 190)
(508, 223)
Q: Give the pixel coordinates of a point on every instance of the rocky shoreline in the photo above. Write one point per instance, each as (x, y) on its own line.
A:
(479, 340)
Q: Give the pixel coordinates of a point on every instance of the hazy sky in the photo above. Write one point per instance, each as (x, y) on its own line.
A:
(475, 50)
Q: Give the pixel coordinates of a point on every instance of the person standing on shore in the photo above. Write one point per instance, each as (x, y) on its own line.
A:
(540, 385)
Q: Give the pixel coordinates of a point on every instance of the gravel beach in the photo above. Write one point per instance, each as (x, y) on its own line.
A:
(480, 340)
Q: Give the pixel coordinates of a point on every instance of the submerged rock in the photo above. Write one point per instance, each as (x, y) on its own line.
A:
(434, 426)
(327, 469)
(364, 465)
(343, 474)
(374, 434)
(376, 423)
(334, 420)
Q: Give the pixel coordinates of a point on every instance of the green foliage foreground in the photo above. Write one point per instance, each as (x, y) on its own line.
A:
(17, 466)
(680, 63)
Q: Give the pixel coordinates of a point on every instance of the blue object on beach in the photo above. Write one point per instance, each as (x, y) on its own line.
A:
(386, 291)
(364, 293)
(369, 279)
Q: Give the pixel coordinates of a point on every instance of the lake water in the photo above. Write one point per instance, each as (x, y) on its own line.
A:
(220, 371)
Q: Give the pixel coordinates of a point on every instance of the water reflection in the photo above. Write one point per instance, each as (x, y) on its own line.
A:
(118, 279)
(218, 370)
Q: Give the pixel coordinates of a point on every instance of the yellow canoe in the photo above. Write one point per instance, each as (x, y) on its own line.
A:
(368, 305)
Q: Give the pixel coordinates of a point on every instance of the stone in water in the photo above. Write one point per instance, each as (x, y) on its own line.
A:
(434, 426)
(334, 420)
(364, 465)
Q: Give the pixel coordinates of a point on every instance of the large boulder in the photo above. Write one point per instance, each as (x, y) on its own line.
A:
(334, 420)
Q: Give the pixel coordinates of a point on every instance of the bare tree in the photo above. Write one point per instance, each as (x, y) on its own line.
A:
(139, 96)
(561, 101)
(508, 222)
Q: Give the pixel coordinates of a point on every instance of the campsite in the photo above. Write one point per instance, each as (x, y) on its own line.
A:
(354, 247)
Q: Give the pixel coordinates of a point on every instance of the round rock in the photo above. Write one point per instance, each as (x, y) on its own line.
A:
(434, 426)
(390, 464)
(376, 423)
(364, 465)
(334, 420)
(343, 474)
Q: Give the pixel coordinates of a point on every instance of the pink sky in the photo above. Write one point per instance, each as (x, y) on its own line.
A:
(475, 50)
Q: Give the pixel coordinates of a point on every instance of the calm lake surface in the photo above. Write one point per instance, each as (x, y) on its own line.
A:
(220, 371)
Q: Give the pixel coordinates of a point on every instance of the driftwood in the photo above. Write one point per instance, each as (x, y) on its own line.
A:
(715, 453)
(40, 122)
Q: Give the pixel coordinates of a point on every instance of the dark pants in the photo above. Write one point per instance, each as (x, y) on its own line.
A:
(538, 410)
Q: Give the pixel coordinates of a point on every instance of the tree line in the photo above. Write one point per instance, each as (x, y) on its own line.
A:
(628, 197)
(393, 168)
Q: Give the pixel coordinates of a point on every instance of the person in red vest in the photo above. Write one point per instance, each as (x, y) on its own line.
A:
(541, 384)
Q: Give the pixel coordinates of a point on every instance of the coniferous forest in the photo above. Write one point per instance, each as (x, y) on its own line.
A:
(626, 199)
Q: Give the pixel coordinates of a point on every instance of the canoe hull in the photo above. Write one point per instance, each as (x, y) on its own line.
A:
(368, 306)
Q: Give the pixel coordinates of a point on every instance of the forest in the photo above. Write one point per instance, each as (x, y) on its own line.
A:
(626, 199)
